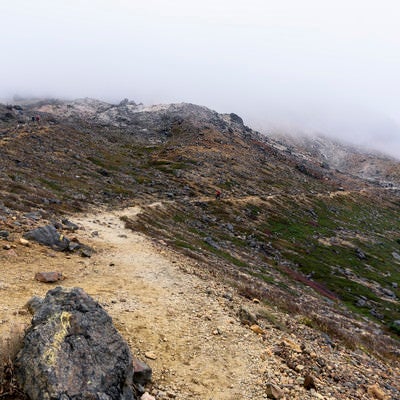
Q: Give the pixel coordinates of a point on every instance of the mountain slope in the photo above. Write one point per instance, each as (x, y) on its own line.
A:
(316, 241)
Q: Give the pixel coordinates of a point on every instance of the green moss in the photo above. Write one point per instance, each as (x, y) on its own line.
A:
(53, 185)
(184, 245)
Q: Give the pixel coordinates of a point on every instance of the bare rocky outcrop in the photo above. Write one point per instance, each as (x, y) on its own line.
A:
(73, 351)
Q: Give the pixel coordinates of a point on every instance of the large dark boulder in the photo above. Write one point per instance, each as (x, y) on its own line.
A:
(73, 351)
(49, 236)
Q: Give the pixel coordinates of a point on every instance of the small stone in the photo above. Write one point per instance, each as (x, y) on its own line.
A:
(86, 253)
(299, 367)
(150, 355)
(396, 255)
(6, 247)
(294, 346)
(257, 329)
(49, 277)
(273, 391)
(147, 396)
(24, 242)
(309, 382)
(68, 225)
(256, 301)
(141, 372)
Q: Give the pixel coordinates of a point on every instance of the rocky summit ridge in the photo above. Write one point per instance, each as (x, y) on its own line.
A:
(294, 228)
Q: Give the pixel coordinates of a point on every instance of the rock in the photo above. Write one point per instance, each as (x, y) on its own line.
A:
(49, 277)
(376, 314)
(4, 234)
(6, 247)
(150, 355)
(147, 396)
(24, 242)
(72, 350)
(256, 329)
(309, 382)
(86, 252)
(273, 391)
(35, 215)
(68, 225)
(388, 292)
(229, 227)
(48, 236)
(360, 254)
(292, 345)
(235, 118)
(361, 302)
(74, 246)
(299, 367)
(211, 242)
(141, 372)
(396, 255)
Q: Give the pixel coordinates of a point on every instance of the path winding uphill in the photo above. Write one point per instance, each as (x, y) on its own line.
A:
(181, 325)
(189, 330)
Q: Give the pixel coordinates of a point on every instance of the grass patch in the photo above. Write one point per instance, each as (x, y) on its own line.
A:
(10, 344)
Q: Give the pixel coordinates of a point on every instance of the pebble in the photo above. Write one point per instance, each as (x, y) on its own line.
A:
(256, 329)
(299, 367)
(150, 355)
(147, 396)
(273, 391)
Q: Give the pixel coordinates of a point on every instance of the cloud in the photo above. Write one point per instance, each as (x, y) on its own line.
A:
(325, 66)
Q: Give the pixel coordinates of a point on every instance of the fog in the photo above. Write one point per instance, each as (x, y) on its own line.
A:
(304, 66)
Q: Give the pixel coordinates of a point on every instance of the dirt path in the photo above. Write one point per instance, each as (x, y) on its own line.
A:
(201, 349)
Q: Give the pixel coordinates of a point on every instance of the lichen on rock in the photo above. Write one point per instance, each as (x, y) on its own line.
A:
(73, 350)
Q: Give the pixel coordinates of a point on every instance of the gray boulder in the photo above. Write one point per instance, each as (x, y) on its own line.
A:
(49, 236)
(73, 351)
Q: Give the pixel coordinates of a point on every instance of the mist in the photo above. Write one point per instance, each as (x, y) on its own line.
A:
(315, 67)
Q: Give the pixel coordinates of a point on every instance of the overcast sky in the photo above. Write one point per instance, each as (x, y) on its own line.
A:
(329, 66)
